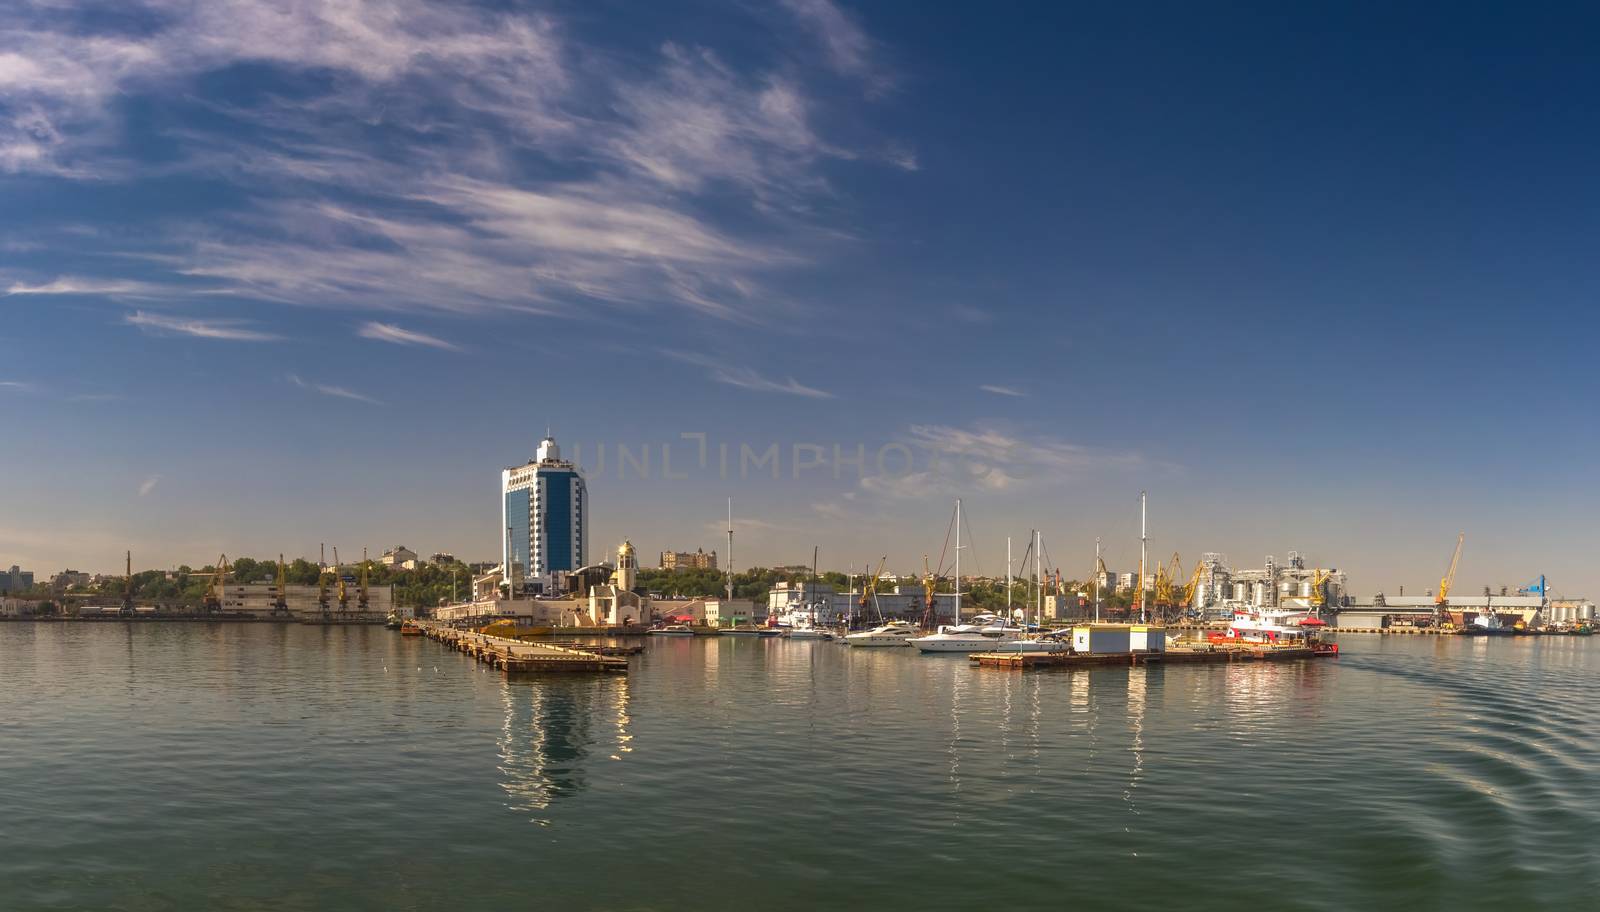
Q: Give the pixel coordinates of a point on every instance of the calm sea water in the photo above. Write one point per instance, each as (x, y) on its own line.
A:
(150, 766)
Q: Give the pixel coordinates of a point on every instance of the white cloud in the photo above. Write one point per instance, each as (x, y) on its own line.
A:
(228, 331)
(17, 386)
(73, 285)
(429, 118)
(388, 332)
(846, 44)
(950, 460)
(148, 485)
(338, 392)
(748, 378)
(1001, 390)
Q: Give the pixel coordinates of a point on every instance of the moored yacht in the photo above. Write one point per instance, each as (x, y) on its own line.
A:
(981, 635)
(673, 630)
(894, 633)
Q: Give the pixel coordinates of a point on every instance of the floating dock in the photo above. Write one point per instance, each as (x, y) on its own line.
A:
(513, 656)
(1173, 656)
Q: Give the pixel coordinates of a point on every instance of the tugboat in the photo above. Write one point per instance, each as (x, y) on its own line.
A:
(1488, 624)
(1268, 627)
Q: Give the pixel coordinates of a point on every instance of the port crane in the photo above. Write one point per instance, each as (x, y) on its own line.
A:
(1192, 588)
(1441, 602)
(869, 590)
(219, 580)
(127, 588)
(1319, 589)
(281, 604)
(930, 611)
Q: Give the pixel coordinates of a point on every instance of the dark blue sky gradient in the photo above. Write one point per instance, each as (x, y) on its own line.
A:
(1318, 278)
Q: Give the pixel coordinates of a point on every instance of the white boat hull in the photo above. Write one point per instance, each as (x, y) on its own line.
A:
(942, 643)
(863, 642)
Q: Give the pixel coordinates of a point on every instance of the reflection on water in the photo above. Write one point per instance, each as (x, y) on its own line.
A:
(1137, 680)
(553, 730)
(1418, 772)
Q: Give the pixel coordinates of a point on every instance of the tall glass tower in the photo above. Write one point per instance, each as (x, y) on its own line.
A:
(545, 515)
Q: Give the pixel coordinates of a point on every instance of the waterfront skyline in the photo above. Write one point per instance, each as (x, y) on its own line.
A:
(1316, 279)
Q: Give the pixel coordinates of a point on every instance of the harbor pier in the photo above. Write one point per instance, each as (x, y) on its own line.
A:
(514, 656)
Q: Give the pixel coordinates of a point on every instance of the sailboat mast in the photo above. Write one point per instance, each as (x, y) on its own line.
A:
(1038, 572)
(1144, 543)
(1008, 576)
(811, 588)
(958, 560)
(1097, 580)
(730, 554)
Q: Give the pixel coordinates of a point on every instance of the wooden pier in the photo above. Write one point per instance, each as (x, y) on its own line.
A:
(1178, 656)
(513, 656)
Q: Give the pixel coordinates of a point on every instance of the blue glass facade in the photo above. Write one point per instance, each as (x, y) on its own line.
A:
(557, 519)
(519, 518)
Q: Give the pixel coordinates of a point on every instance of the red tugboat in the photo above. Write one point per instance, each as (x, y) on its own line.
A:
(1276, 627)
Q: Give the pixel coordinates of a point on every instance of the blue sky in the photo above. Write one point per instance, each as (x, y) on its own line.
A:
(274, 274)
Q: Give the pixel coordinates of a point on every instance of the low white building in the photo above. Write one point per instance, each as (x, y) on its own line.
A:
(530, 612)
(261, 599)
(722, 612)
(399, 557)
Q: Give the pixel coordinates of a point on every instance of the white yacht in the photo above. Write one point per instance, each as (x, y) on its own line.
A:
(981, 635)
(807, 632)
(894, 633)
(673, 630)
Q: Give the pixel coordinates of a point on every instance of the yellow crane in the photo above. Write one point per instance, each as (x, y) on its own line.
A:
(1319, 584)
(869, 589)
(1192, 588)
(281, 606)
(344, 597)
(219, 581)
(930, 611)
(1449, 578)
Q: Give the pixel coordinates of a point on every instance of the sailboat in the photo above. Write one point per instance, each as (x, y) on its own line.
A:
(981, 634)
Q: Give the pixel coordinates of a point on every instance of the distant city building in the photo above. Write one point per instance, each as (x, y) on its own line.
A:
(688, 560)
(721, 612)
(261, 599)
(399, 557)
(615, 602)
(486, 585)
(441, 557)
(1125, 581)
(16, 580)
(67, 579)
(544, 517)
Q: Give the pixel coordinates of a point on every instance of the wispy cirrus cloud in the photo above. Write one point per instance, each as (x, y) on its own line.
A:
(401, 176)
(148, 485)
(747, 378)
(999, 390)
(388, 332)
(328, 389)
(952, 459)
(847, 46)
(223, 330)
(17, 386)
(74, 285)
